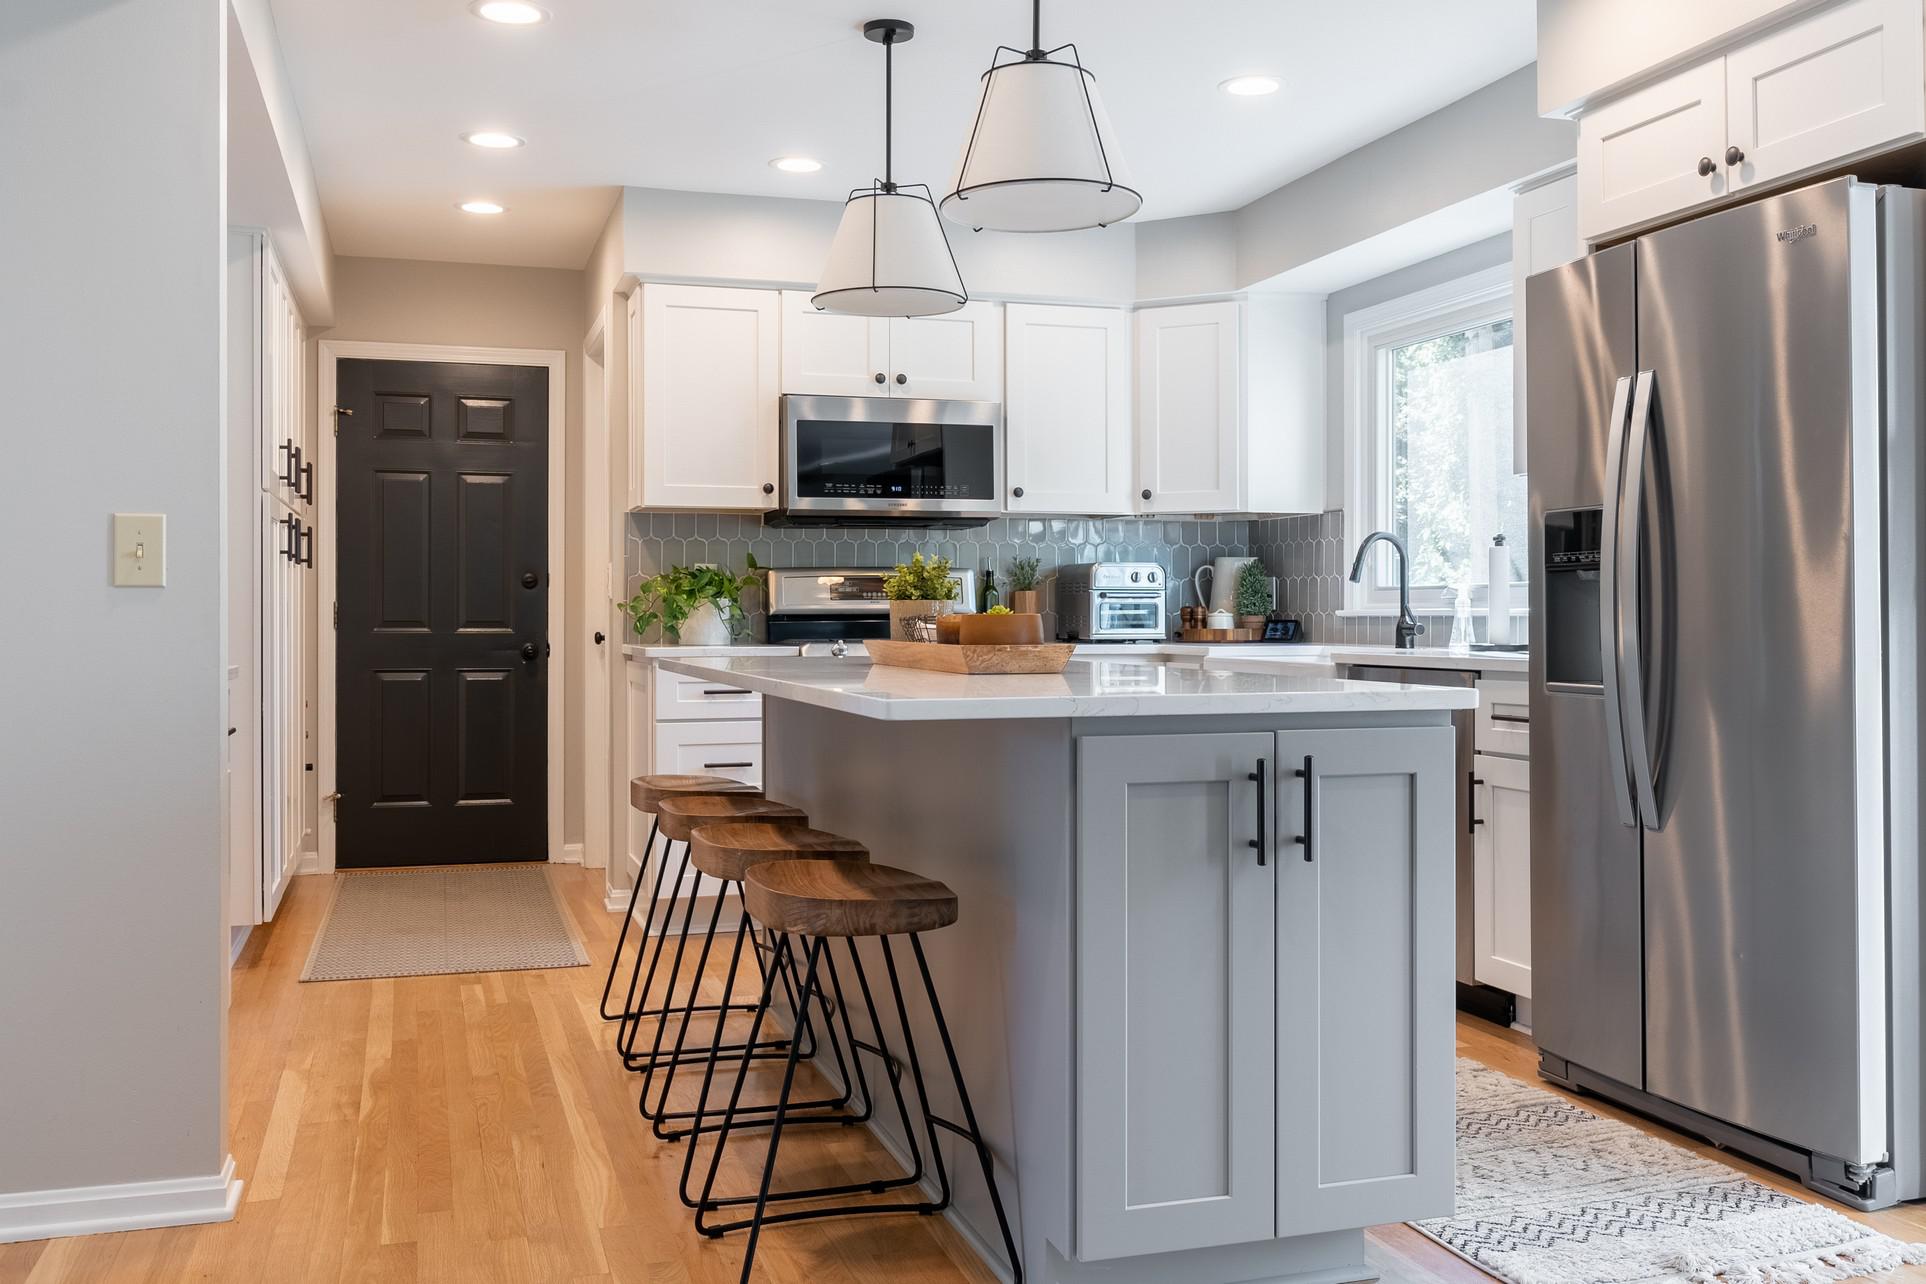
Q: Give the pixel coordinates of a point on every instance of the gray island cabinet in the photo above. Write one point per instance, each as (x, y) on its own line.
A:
(1201, 985)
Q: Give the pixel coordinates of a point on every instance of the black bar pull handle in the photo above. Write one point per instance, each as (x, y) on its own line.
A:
(1471, 802)
(304, 544)
(1308, 839)
(1262, 842)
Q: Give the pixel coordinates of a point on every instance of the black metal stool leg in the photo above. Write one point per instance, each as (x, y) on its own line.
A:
(775, 1127)
(648, 1067)
(651, 947)
(615, 961)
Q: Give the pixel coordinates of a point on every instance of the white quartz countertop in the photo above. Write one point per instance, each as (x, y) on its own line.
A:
(1094, 688)
(663, 651)
(1246, 653)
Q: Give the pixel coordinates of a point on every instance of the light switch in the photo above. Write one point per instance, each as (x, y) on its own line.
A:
(140, 550)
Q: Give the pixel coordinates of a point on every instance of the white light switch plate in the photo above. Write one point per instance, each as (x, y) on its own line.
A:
(140, 550)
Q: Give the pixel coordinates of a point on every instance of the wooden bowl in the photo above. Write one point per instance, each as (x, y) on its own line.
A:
(1001, 630)
(949, 629)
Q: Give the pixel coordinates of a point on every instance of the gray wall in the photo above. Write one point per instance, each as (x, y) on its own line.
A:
(112, 923)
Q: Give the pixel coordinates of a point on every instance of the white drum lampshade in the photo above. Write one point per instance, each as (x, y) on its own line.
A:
(1041, 155)
(890, 258)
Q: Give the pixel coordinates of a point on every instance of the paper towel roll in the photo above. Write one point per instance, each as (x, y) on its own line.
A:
(1498, 594)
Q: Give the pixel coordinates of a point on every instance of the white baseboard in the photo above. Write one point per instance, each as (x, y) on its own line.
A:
(310, 862)
(135, 1205)
(571, 854)
(615, 899)
(237, 941)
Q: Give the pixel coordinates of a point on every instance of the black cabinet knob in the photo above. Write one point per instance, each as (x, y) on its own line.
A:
(881, 377)
(530, 651)
(1706, 167)
(1733, 156)
(902, 378)
(1146, 493)
(600, 637)
(1018, 492)
(769, 488)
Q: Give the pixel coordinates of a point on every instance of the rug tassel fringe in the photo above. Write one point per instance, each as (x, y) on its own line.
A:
(1827, 1267)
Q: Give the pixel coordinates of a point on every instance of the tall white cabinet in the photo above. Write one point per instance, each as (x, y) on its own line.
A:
(1068, 440)
(270, 489)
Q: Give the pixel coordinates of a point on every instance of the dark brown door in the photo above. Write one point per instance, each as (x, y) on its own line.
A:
(443, 585)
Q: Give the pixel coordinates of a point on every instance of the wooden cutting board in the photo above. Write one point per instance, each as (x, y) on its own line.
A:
(1051, 657)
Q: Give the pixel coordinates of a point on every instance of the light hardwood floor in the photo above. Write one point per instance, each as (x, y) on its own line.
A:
(479, 1128)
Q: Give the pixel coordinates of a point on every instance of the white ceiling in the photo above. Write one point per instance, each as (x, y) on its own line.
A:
(699, 95)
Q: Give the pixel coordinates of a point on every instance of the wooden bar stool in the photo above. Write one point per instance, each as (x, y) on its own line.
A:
(818, 901)
(646, 794)
(678, 816)
(726, 852)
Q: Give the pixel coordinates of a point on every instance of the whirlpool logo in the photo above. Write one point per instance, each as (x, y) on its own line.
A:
(1794, 235)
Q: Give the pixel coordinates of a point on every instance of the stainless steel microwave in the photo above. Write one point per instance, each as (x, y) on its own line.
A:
(869, 461)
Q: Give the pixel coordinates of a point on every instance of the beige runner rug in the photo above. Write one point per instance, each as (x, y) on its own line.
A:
(457, 918)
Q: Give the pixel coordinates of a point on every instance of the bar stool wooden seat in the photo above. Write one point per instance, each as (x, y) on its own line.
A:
(646, 794)
(727, 852)
(819, 901)
(676, 814)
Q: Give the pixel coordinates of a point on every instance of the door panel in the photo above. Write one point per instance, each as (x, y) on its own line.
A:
(1760, 856)
(956, 356)
(443, 581)
(1190, 419)
(831, 354)
(1365, 1108)
(1585, 880)
(1176, 1020)
(1639, 156)
(1066, 418)
(1501, 914)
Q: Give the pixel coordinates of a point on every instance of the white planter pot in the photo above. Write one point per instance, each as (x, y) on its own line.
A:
(706, 626)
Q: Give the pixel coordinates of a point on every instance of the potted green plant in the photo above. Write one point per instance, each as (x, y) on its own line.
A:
(919, 591)
(1024, 598)
(696, 605)
(1254, 596)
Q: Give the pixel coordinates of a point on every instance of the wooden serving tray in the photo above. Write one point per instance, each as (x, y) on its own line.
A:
(1220, 635)
(940, 658)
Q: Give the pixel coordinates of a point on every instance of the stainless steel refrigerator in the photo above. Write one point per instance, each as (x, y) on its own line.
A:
(1724, 468)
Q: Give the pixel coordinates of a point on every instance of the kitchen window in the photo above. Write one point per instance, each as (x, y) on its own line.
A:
(1428, 417)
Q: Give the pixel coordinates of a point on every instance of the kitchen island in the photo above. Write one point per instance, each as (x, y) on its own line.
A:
(1201, 985)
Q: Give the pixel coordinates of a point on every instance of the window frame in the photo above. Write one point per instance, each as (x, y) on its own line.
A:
(1480, 298)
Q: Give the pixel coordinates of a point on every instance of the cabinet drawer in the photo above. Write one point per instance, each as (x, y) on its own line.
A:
(732, 749)
(1504, 716)
(678, 696)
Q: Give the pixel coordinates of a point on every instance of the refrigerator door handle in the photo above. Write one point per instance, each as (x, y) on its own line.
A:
(1631, 657)
(1608, 604)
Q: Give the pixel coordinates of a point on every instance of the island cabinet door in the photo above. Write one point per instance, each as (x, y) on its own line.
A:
(1365, 1050)
(1176, 999)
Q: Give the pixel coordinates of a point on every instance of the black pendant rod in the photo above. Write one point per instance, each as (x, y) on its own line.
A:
(889, 108)
(1036, 29)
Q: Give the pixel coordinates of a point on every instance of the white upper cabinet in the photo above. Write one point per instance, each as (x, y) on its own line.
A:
(1220, 430)
(957, 356)
(708, 387)
(1544, 234)
(832, 354)
(1654, 152)
(1066, 413)
(1837, 83)
(1825, 89)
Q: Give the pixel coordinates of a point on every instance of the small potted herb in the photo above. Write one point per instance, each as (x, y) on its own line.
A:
(1254, 596)
(696, 605)
(919, 592)
(1024, 598)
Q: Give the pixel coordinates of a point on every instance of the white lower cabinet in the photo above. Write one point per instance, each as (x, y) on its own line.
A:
(1501, 879)
(1264, 996)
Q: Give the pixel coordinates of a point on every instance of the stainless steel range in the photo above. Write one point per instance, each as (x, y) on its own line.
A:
(838, 603)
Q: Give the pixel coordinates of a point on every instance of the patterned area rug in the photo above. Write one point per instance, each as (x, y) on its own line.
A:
(456, 918)
(1552, 1194)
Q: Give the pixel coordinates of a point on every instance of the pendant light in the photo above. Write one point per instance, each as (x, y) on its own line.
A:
(1041, 155)
(890, 257)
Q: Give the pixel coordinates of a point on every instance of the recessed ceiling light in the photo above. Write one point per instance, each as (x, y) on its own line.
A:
(493, 140)
(510, 13)
(796, 164)
(481, 207)
(1250, 86)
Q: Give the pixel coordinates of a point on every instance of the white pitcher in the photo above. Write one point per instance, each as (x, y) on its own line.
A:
(1222, 574)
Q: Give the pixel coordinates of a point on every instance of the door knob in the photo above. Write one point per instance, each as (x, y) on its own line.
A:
(902, 378)
(530, 579)
(1706, 166)
(529, 652)
(1733, 156)
(599, 637)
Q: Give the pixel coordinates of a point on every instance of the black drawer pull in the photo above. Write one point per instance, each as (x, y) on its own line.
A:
(1307, 840)
(711, 766)
(1520, 718)
(1262, 841)
(1471, 802)
(725, 691)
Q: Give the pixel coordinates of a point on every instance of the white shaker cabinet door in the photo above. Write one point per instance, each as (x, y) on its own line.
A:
(1366, 862)
(832, 354)
(1834, 85)
(1176, 1020)
(1189, 409)
(1652, 153)
(1068, 443)
(957, 356)
(709, 387)
(1501, 873)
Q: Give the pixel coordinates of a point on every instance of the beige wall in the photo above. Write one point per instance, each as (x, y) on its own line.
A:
(476, 305)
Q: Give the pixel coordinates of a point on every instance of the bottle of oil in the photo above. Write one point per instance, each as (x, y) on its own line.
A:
(987, 596)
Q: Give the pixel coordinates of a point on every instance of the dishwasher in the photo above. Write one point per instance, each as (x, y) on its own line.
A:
(1480, 1000)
